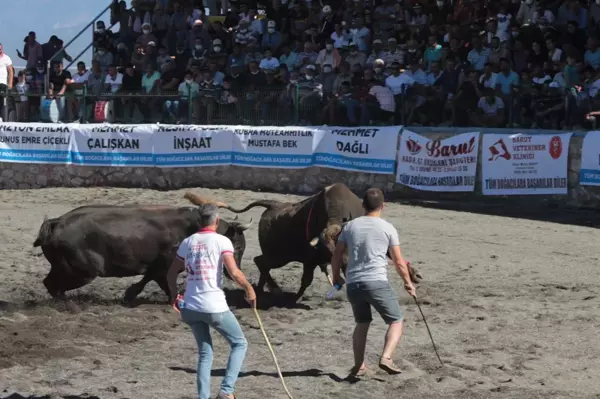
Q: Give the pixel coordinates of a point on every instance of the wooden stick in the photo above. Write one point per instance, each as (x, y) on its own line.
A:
(262, 329)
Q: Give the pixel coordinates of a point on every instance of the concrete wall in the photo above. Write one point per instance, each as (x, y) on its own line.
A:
(304, 181)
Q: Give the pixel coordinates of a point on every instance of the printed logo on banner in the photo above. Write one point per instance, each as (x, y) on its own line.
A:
(438, 165)
(112, 145)
(525, 164)
(190, 145)
(280, 147)
(589, 174)
(361, 149)
(35, 143)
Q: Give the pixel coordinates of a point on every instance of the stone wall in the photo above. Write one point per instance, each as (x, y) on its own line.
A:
(302, 181)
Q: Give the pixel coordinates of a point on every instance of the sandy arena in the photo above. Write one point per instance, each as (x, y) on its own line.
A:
(513, 305)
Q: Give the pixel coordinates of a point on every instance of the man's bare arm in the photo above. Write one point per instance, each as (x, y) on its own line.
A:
(400, 263)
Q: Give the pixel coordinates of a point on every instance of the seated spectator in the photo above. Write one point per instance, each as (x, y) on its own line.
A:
(491, 110)
(22, 103)
(104, 58)
(269, 63)
(113, 80)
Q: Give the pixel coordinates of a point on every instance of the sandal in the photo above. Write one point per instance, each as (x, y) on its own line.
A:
(389, 366)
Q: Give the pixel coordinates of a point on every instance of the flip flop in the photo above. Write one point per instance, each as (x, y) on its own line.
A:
(389, 366)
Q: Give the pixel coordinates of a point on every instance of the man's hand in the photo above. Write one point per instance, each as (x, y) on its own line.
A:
(410, 288)
(251, 298)
(175, 304)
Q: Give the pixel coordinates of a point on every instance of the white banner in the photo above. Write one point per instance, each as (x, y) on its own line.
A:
(112, 145)
(360, 149)
(273, 146)
(438, 165)
(35, 143)
(192, 145)
(589, 175)
(523, 164)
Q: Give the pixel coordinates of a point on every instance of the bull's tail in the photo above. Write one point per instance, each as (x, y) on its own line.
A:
(45, 233)
(198, 200)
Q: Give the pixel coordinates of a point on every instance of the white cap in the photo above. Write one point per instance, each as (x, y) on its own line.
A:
(327, 9)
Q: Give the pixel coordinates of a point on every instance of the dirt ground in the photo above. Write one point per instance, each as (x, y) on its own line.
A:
(513, 305)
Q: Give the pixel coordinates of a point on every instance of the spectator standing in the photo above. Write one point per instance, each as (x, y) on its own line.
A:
(32, 52)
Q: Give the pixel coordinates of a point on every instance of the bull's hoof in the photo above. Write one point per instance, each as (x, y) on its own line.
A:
(130, 294)
(415, 275)
(276, 290)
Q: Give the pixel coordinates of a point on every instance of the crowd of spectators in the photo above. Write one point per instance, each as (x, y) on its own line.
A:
(531, 63)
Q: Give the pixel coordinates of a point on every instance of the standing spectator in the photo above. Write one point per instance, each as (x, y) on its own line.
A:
(60, 81)
(78, 83)
(433, 52)
(32, 53)
(380, 104)
(329, 55)
(132, 84)
(50, 48)
(479, 56)
(61, 53)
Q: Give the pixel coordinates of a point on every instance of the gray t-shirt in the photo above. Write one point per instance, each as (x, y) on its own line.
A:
(367, 239)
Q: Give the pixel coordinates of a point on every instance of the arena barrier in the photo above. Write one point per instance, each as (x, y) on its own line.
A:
(560, 166)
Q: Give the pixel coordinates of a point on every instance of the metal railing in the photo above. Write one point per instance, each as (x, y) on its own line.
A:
(292, 106)
(91, 23)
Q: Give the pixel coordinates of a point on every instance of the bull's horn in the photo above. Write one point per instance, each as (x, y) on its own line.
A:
(314, 241)
(246, 226)
(235, 218)
(198, 200)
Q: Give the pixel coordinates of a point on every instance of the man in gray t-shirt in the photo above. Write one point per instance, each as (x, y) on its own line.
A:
(366, 240)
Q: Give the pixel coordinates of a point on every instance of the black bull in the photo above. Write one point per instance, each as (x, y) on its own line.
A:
(304, 231)
(120, 241)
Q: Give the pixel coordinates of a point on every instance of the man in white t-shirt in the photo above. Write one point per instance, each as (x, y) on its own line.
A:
(203, 256)
(491, 109)
(6, 76)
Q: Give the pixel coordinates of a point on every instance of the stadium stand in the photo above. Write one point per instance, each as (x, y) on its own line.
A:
(504, 63)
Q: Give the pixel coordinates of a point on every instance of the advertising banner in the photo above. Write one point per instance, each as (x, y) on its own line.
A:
(273, 146)
(438, 165)
(360, 149)
(590, 160)
(35, 143)
(192, 145)
(522, 164)
(112, 145)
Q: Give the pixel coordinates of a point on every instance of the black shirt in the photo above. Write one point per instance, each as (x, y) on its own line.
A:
(58, 80)
(132, 84)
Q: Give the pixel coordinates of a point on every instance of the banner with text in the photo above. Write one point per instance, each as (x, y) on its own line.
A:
(589, 175)
(522, 164)
(35, 143)
(273, 146)
(438, 165)
(192, 145)
(360, 149)
(112, 145)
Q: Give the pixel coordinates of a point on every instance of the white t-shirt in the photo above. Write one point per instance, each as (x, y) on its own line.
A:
(489, 82)
(385, 97)
(5, 62)
(490, 109)
(77, 78)
(203, 256)
(399, 84)
(271, 64)
(115, 84)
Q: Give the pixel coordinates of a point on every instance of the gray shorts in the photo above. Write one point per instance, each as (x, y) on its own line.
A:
(380, 295)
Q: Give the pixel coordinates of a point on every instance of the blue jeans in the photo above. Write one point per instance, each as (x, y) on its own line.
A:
(227, 325)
